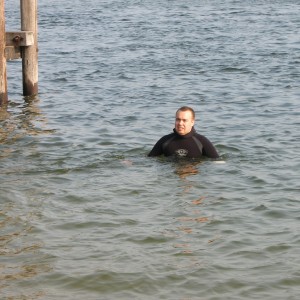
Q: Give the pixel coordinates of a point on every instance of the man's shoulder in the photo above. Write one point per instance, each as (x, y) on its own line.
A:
(208, 148)
(203, 139)
(200, 137)
(158, 148)
(166, 137)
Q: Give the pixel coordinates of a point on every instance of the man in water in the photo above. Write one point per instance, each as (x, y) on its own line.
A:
(184, 141)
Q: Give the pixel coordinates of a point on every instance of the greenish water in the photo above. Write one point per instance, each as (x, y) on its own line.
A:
(86, 214)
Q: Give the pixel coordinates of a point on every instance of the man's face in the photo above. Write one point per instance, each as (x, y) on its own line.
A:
(184, 122)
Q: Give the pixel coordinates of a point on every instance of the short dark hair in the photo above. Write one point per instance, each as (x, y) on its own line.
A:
(187, 108)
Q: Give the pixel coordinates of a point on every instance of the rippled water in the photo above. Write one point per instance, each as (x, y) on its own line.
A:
(86, 214)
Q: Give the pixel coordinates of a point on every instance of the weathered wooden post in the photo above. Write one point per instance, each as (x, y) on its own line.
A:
(3, 79)
(30, 53)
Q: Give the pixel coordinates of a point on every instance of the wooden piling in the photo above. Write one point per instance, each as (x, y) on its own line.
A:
(30, 53)
(3, 78)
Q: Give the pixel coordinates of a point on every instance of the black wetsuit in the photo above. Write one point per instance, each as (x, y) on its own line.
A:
(191, 145)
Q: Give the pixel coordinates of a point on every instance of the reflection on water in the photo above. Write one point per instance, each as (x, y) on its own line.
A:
(34, 122)
(19, 253)
(29, 119)
(4, 130)
(187, 224)
(21, 258)
(4, 114)
(185, 169)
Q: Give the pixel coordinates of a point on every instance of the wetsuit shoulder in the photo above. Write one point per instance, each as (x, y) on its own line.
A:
(158, 147)
(208, 148)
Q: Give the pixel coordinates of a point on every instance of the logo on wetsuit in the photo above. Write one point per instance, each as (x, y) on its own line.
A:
(181, 152)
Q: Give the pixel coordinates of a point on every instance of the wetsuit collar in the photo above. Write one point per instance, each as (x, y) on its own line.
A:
(190, 134)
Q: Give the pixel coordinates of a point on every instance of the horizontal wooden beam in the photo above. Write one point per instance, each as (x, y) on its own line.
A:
(19, 38)
(15, 40)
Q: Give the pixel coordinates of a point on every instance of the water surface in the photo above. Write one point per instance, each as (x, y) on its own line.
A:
(86, 214)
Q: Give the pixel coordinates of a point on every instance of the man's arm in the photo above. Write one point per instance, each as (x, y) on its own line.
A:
(157, 149)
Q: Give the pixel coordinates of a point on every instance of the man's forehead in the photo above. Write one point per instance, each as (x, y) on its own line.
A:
(184, 114)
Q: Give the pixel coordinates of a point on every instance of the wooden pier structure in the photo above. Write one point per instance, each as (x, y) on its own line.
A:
(20, 44)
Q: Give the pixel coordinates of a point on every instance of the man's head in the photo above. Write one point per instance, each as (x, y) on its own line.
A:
(185, 119)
